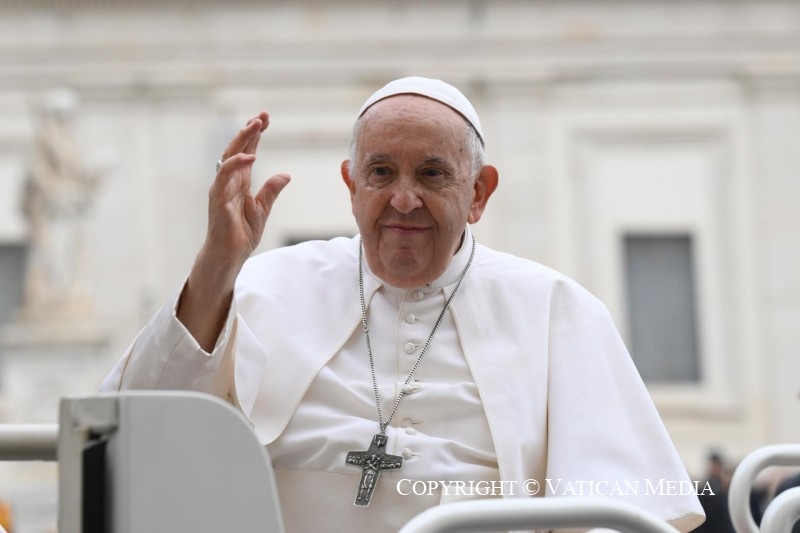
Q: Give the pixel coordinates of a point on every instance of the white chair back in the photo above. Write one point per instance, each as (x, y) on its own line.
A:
(153, 461)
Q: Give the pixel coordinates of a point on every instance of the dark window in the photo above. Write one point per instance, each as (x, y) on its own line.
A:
(12, 279)
(661, 307)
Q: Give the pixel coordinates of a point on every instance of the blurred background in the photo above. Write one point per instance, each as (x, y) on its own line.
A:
(650, 149)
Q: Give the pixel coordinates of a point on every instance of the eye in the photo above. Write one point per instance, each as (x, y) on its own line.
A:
(433, 175)
(379, 175)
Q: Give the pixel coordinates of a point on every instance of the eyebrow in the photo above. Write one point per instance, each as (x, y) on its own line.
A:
(376, 158)
(436, 160)
(427, 160)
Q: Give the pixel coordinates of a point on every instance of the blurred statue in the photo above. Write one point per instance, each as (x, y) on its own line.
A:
(58, 195)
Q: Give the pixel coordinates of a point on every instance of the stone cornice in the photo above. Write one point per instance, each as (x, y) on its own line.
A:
(214, 64)
(213, 44)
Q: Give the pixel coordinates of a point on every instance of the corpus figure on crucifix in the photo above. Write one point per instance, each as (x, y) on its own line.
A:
(372, 461)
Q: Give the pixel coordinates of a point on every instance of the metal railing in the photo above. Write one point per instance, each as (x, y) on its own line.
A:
(745, 475)
(28, 442)
(782, 512)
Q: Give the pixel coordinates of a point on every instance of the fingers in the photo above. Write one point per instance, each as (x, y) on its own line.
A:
(252, 144)
(231, 165)
(236, 217)
(246, 140)
(270, 190)
(257, 209)
(263, 116)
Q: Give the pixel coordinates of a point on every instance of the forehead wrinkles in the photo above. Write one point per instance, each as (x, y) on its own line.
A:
(412, 123)
(413, 109)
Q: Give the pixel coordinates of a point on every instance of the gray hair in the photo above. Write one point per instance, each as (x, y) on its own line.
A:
(474, 145)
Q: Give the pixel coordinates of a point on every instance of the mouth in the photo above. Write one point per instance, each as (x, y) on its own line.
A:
(404, 228)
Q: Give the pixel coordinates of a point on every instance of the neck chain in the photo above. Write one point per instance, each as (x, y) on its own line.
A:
(374, 460)
(383, 424)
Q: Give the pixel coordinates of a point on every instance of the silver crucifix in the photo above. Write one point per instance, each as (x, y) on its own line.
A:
(372, 463)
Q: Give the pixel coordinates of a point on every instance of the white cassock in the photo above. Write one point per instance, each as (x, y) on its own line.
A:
(526, 379)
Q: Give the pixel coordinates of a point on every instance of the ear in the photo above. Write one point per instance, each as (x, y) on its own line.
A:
(484, 186)
(344, 168)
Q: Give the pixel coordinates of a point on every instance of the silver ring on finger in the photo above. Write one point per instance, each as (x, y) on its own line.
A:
(219, 164)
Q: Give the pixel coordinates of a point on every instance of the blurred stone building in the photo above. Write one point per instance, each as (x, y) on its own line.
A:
(650, 149)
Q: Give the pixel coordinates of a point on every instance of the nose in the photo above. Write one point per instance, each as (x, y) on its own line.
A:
(405, 196)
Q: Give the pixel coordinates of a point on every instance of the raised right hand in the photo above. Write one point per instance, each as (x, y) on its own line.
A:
(236, 218)
(236, 221)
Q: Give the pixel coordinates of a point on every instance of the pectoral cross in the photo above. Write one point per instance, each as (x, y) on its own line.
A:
(372, 462)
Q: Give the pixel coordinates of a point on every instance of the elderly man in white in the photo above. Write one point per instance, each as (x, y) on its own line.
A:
(409, 352)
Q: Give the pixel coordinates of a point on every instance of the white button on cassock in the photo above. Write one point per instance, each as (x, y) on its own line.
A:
(410, 318)
(409, 347)
(417, 295)
(408, 453)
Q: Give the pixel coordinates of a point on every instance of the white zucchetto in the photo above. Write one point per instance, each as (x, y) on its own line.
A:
(431, 88)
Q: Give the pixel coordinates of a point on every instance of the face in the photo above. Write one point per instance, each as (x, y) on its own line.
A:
(414, 188)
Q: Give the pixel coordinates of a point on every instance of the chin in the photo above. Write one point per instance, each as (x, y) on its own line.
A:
(407, 274)
(402, 271)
